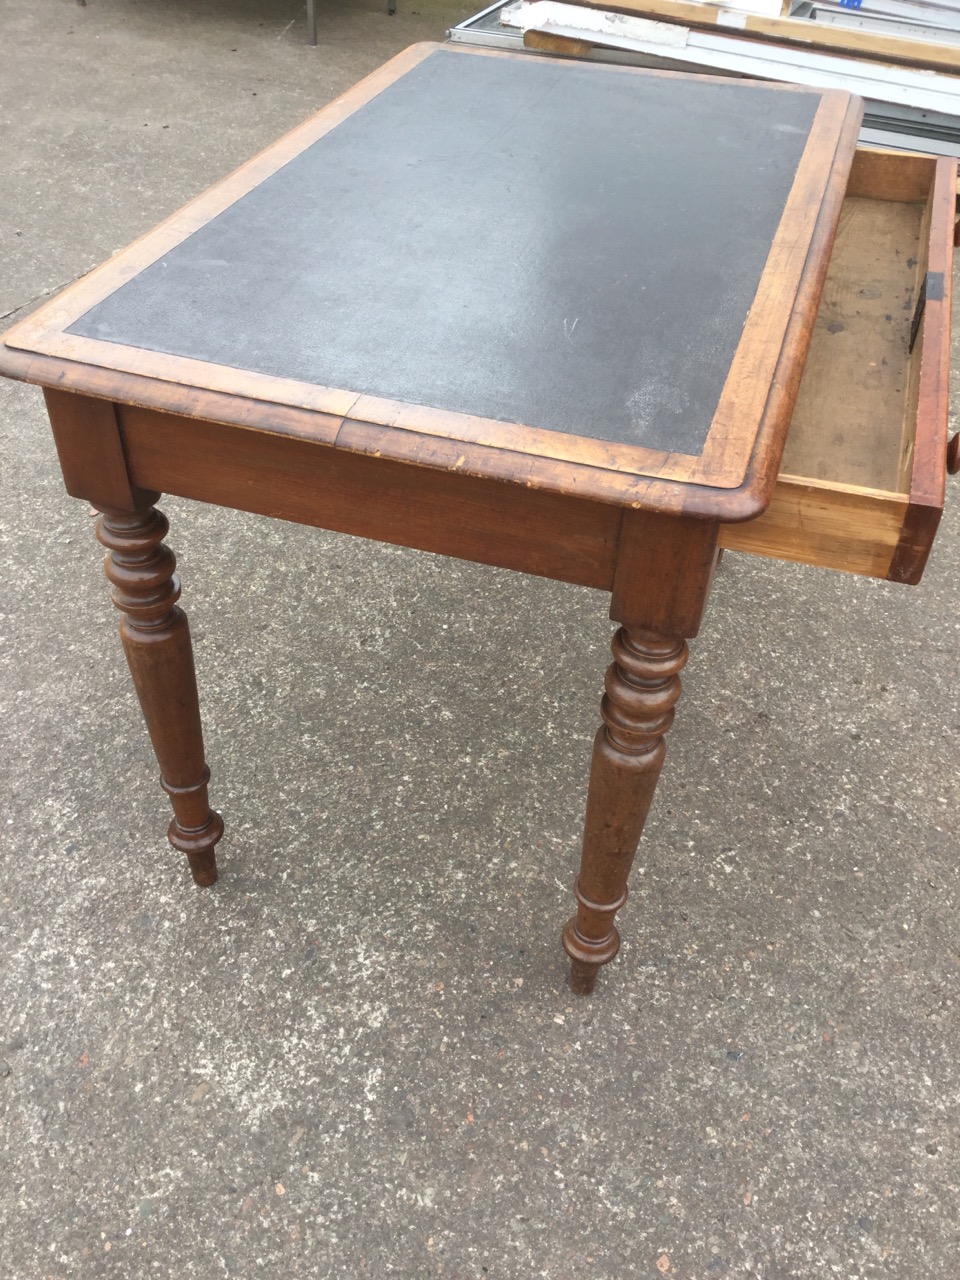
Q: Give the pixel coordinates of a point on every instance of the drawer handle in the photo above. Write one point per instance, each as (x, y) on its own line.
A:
(953, 455)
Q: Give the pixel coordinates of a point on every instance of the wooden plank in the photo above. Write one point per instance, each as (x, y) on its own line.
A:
(794, 31)
(829, 525)
(544, 42)
(888, 175)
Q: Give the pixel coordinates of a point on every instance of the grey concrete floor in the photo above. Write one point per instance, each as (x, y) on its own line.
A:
(356, 1056)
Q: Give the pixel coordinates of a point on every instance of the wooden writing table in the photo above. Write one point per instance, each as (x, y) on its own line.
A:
(541, 315)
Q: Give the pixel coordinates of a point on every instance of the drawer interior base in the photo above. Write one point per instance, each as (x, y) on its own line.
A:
(849, 422)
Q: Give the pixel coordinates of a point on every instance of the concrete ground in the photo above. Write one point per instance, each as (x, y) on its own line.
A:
(357, 1056)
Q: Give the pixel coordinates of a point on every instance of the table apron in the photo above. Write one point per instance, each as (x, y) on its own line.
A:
(567, 538)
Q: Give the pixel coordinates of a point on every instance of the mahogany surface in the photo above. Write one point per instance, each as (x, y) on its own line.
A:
(210, 361)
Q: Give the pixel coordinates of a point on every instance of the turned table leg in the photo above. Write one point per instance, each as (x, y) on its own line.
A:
(156, 640)
(642, 688)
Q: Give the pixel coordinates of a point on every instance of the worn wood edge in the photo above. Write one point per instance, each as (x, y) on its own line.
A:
(613, 488)
(149, 393)
(434, 452)
(929, 463)
(757, 490)
(116, 362)
(376, 440)
(538, 442)
(791, 31)
(796, 267)
(718, 466)
(77, 299)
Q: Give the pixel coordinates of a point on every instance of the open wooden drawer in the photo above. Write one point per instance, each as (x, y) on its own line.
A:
(861, 482)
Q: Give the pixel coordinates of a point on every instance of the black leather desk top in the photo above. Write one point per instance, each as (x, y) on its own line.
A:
(511, 238)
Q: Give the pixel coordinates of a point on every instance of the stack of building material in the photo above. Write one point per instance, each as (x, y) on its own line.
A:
(909, 19)
(911, 83)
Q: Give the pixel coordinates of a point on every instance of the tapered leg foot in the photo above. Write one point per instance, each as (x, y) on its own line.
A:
(156, 641)
(583, 977)
(642, 688)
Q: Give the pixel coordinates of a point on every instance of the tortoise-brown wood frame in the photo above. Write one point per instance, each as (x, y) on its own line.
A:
(732, 478)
